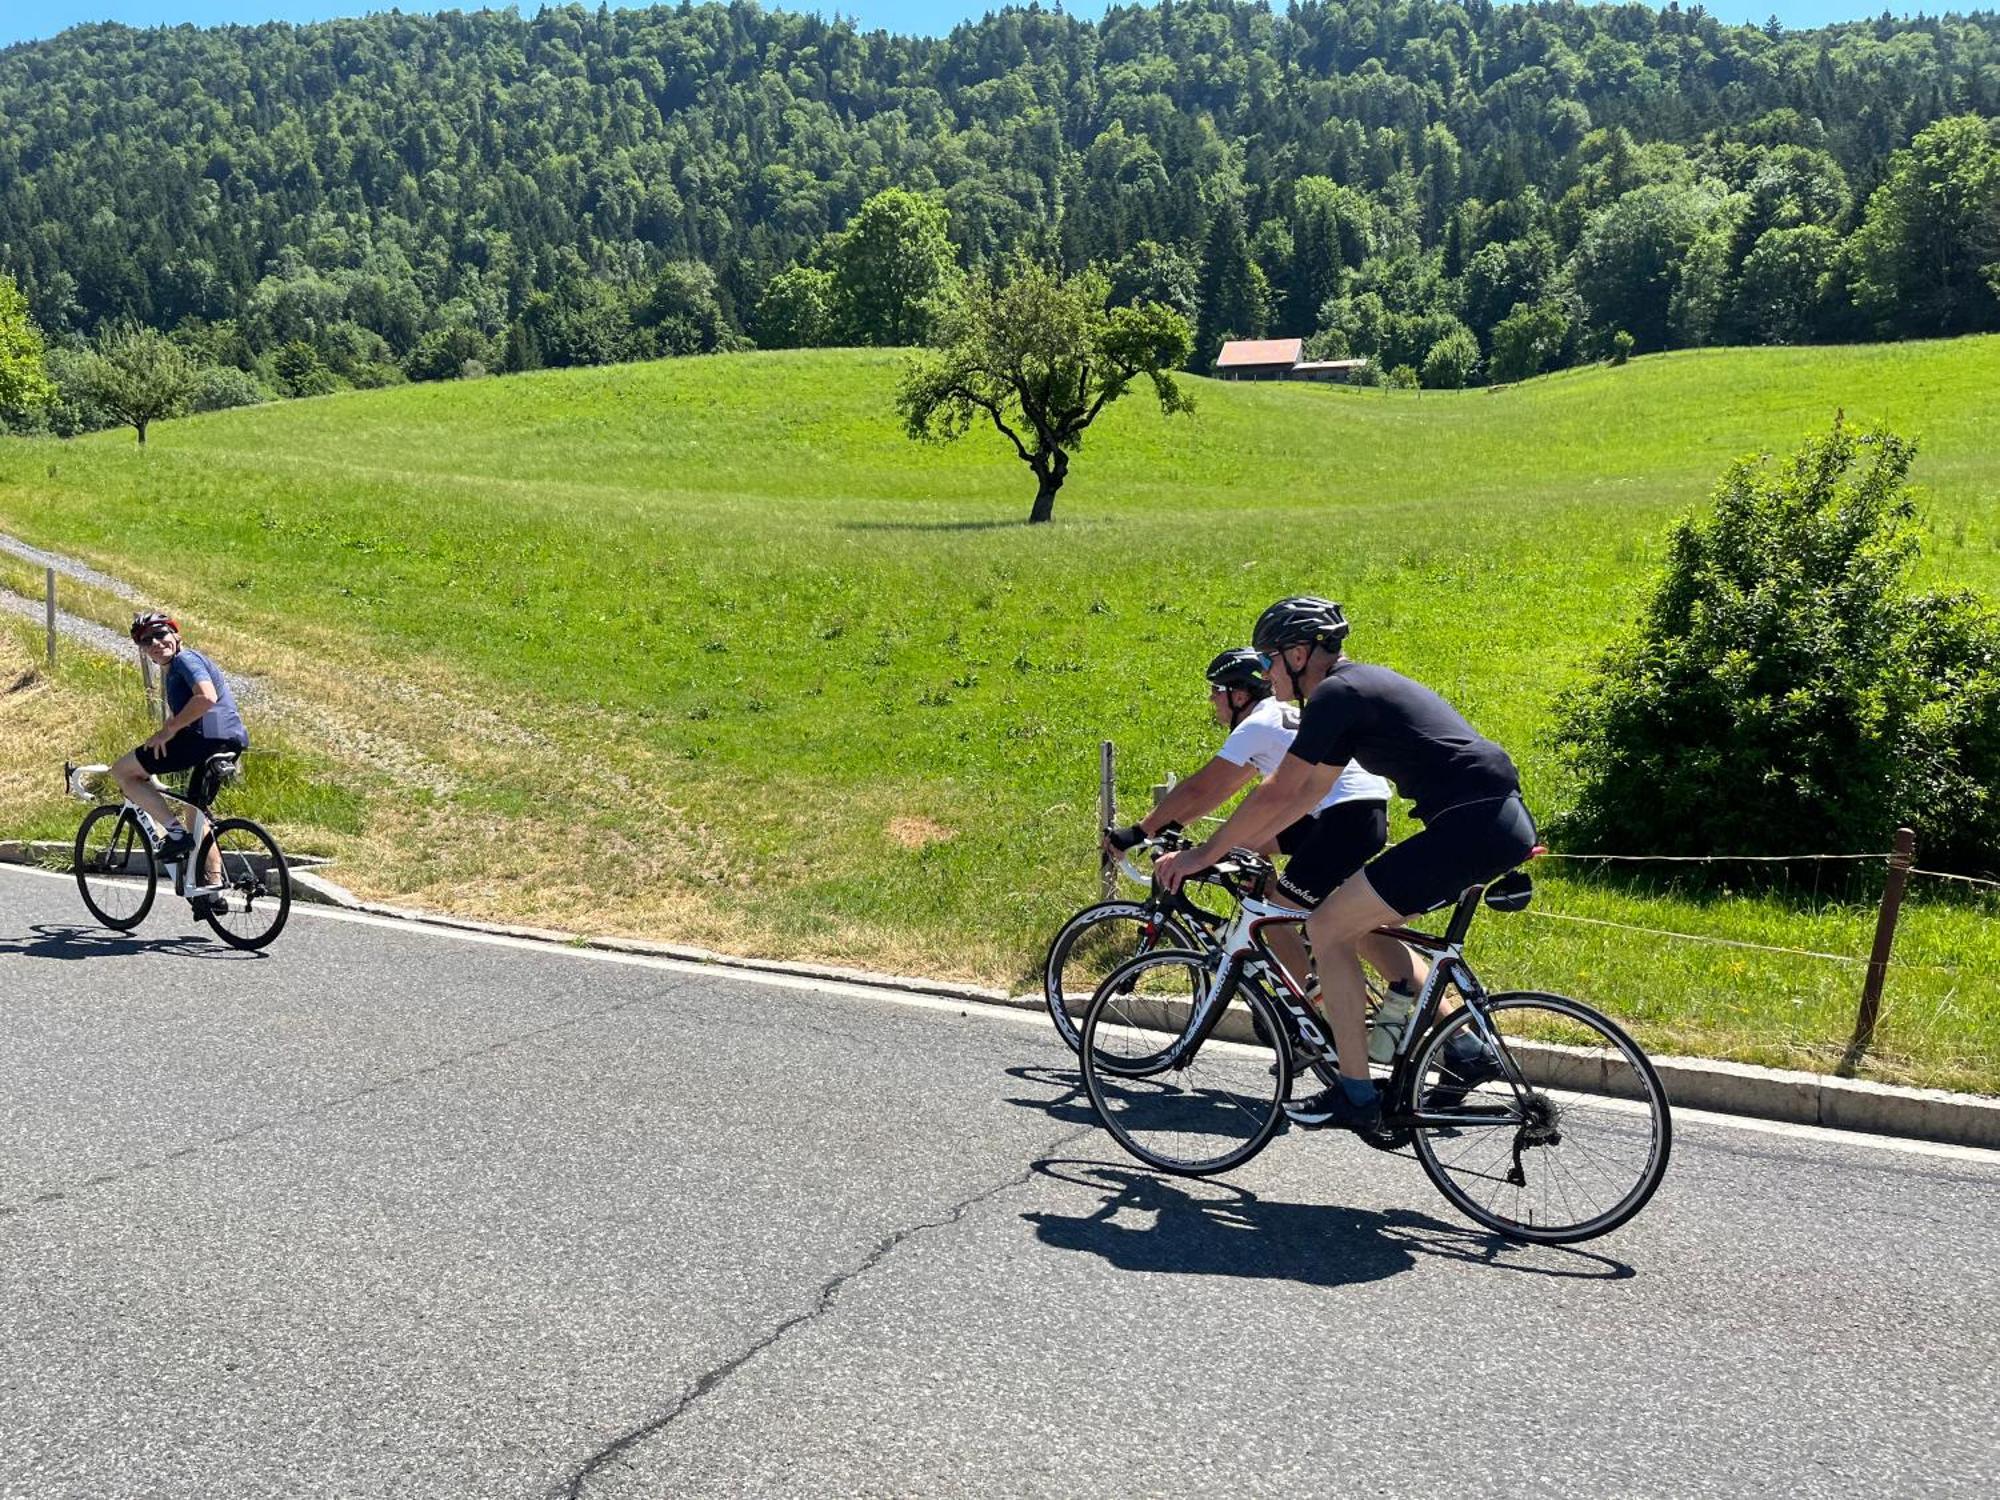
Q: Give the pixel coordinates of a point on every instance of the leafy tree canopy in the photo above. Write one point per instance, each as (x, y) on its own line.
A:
(1039, 356)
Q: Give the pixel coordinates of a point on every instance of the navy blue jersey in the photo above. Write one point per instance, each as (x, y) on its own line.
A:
(222, 721)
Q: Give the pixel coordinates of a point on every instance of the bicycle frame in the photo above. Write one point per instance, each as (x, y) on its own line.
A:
(76, 778)
(1246, 947)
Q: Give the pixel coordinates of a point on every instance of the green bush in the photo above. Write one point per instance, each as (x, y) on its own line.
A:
(1621, 347)
(1785, 691)
(219, 387)
(301, 372)
(1529, 340)
(442, 353)
(1453, 361)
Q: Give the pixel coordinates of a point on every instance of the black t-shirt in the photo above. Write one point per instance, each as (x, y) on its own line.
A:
(1402, 730)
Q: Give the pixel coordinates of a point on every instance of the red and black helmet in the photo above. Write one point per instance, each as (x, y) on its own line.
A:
(152, 625)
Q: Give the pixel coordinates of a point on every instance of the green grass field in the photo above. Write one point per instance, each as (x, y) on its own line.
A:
(707, 649)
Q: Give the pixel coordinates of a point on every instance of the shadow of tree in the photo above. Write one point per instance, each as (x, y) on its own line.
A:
(933, 525)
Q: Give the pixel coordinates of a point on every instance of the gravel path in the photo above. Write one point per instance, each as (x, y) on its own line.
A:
(68, 567)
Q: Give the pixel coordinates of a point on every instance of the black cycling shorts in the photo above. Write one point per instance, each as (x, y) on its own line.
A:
(1462, 846)
(1325, 849)
(185, 752)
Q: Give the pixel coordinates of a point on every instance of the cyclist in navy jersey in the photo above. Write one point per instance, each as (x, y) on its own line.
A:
(201, 721)
(1466, 793)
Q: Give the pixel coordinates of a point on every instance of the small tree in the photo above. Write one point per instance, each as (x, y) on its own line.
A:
(1040, 357)
(1785, 690)
(796, 311)
(301, 372)
(1529, 340)
(894, 270)
(24, 384)
(1453, 361)
(681, 314)
(220, 387)
(443, 353)
(137, 375)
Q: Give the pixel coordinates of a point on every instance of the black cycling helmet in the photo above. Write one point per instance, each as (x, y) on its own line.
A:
(1302, 620)
(1242, 669)
(153, 624)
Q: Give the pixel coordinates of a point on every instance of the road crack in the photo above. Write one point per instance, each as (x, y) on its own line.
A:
(339, 1101)
(578, 1484)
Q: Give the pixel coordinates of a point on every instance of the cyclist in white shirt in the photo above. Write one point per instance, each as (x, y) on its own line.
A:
(1348, 827)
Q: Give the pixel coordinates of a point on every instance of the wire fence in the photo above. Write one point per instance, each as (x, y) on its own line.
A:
(1899, 861)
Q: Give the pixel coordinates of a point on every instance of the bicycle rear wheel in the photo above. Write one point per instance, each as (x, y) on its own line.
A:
(1214, 1111)
(256, 894)
(1094, 942)
(1562, 1141)
(115, 871)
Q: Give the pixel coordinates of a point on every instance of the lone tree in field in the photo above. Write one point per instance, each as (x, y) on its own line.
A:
(1040, 357)
(138, 375)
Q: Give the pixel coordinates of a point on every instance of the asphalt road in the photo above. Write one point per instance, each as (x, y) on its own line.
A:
(389, 1212)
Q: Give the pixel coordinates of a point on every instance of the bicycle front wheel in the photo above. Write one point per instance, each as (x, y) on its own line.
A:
(115, 872)
(1093, 943)
(1212, 1111)
(1561, 1136)
(256, 889)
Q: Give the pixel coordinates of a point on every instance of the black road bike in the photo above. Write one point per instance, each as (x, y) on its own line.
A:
(1556, 1130)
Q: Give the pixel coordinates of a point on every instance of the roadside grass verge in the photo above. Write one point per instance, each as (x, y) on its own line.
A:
(706, 650)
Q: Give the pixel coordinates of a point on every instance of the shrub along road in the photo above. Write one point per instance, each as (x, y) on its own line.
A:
(390, 1211)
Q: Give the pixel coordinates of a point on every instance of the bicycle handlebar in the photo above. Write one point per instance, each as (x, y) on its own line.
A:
(1167, 842)
(77, 779)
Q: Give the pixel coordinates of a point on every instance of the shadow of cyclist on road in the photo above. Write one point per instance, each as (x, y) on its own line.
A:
(58, 940)
(1069, 1104)
(1148, 1222)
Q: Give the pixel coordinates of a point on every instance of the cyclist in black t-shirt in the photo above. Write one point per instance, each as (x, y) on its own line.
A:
(1467, 795)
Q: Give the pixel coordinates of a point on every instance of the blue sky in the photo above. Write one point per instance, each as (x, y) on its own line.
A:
(23, 20)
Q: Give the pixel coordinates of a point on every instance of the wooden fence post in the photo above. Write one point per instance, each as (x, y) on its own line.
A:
(1901, 857)
(1107, 811)
(146, 681)
(52, 618)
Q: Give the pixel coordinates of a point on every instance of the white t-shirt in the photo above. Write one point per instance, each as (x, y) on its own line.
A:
(1264, 735)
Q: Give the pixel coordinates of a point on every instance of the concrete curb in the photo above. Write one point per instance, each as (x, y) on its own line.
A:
(1693, 1083)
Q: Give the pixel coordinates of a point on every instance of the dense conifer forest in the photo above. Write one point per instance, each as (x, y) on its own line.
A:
(1458, 192)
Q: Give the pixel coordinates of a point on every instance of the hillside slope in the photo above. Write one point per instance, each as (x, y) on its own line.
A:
(708, 646)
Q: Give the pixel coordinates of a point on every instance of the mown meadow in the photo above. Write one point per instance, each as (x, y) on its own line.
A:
(706, 649)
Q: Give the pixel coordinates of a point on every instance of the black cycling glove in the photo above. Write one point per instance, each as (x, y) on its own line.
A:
(1124, 838)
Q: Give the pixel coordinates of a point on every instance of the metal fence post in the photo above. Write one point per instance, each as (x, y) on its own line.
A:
(1902, 856)
(1107, 811)
(52, 618)
(146, 681)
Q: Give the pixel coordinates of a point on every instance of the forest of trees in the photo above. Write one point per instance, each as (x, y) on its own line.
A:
(1460, 192)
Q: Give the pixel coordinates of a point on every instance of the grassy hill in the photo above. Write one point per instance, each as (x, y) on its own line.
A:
(707, 648)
